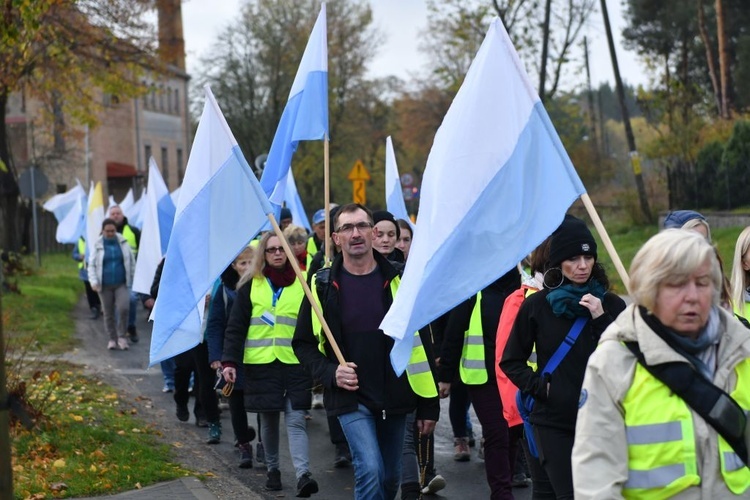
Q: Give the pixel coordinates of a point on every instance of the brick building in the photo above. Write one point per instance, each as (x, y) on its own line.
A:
(128, 133)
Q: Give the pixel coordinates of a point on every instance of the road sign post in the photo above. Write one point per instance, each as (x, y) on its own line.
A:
(358, 175)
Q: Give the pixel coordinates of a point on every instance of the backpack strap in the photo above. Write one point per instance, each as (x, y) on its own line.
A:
(566, 345)
(710, 402)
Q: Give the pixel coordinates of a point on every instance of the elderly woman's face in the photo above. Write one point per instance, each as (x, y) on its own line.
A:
(684, 304)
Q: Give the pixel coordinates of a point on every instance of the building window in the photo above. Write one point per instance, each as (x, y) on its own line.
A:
(153, 98)
(147, 152)
(180, 169)
(161, 100)
(165, 165)
(169, 100)
(177, 101)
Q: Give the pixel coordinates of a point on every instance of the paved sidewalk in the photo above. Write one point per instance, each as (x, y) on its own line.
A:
(187, 488)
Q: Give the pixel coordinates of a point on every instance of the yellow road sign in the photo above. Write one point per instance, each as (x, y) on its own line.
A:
(358, 176)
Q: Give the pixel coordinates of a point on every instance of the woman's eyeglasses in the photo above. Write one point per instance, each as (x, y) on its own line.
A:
(273, 250)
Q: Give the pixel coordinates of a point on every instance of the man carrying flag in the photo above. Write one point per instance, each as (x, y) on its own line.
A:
(370, 400)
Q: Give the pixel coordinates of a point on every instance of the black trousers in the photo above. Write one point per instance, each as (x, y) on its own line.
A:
(555, 449)
(184, 367)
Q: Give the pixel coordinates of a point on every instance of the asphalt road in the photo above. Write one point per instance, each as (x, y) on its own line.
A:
(141, 387)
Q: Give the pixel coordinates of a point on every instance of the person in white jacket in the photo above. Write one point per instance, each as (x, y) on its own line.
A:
(111, 266)
(636, 438)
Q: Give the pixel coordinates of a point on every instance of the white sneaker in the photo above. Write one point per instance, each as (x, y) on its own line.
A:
(112, 345)
(317, 401)
(436, 484)
(122, 343)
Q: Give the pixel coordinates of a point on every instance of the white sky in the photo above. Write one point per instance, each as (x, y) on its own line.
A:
(401, 21)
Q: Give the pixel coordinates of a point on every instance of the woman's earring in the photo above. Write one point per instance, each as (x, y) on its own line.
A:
(552, 278)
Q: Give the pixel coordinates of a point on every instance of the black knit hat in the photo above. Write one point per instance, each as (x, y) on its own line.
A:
(570, 239)
(381, 215)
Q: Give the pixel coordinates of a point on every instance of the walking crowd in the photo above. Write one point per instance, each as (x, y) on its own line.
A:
(578, 394)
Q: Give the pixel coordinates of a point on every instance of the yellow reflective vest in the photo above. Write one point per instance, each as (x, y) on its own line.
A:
(472, 367)
(273, 317)
(418, 371)
(129, 236)
(82, 252)
(662, 457)
(312, 249)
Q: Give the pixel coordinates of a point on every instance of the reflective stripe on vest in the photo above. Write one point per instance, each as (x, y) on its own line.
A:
(662, 458)
(129, 236)
(265, 343)
(736, 474)
(418, 371)
(472, 367)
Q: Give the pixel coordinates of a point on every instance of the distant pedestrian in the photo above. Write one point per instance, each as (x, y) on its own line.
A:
(110, 269)
(79, 255)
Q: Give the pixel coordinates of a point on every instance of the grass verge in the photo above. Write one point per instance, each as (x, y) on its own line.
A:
(87, 441)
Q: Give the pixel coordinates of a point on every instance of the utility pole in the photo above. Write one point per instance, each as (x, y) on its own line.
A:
(592, 111)
(545, 44)
(635, 159)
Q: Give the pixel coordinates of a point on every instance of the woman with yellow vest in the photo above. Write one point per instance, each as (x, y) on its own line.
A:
(665, 397)
(259, 338)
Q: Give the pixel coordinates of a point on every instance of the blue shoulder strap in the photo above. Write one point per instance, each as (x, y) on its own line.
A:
(567, 343)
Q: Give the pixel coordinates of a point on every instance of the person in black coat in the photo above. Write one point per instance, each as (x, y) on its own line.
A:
(575, 286)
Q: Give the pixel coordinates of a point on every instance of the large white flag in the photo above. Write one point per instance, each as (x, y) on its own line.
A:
(69, 209)
(394, 194)
(497, 183)
(220, 209)
(158, 216)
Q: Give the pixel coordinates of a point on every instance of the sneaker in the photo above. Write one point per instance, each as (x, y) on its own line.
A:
(520, 481)
(461, 452)
(201, 422)
(182, 413)
(480, 452)
(112, 345)
(260, 453)
(273, 483)
(246, 455)
(167, 388)
(122, 343)
(306, 486)
(317, 401)
(343, 457)
(434, 485)
(214, 433)
(133, 334)
(95, 313)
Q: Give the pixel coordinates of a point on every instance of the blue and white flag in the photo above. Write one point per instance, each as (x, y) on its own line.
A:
(220, 209)
(158, 216)
(305, 117)
(294, 203)
(497, 182)
(69, 209)
(394, 194)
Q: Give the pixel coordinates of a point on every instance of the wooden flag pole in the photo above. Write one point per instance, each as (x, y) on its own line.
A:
(295, 265)
(605, 239)
(327, 202)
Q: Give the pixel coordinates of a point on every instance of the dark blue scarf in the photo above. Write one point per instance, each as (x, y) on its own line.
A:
(565, 299)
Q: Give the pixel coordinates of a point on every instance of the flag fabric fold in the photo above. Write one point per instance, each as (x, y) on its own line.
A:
(294, 203)
(497, 182)
(221, 207)
(94, 216)
(305, 117)
(69, 208)
(158, 216)
(394, 195)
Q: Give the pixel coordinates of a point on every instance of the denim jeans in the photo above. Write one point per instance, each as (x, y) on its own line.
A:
(296, 429)
(167, 370)
(133, 308)
(376, 444)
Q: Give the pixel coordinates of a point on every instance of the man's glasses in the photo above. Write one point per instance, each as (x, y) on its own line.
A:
(272, 250)
(348, 228)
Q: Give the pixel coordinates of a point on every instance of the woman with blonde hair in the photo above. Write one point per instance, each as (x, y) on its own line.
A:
(258, 338)
(662, 412)
(741, 275)
(296, 236)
